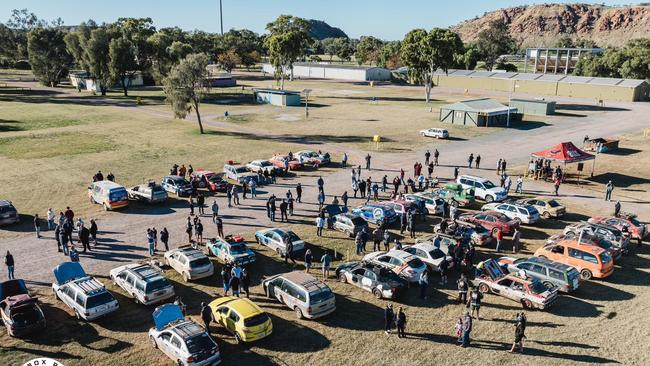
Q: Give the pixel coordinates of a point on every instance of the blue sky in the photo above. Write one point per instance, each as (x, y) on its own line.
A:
(382, 18)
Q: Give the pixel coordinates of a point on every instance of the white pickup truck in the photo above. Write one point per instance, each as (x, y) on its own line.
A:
(149, 192)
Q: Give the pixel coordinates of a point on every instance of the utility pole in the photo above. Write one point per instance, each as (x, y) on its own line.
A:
(221, 15)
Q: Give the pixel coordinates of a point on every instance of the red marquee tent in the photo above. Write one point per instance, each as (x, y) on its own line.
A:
(565, 152)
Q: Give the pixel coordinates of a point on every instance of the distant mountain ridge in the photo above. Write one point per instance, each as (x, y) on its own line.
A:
(321, 30)
(542, 25)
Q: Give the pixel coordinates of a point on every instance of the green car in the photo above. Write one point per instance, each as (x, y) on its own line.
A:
(455, 195)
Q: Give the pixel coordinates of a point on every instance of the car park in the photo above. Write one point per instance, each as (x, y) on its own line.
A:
(434, 205)
(454, 194)
(492, 221)
(279, 162)
(439, 133)
(177, 185)
(213, 182)
(477, 234)
(184, 341)
(431, 255)
(242, 318)
(144, 283)
(525, 214)
(108, 194)
(483, 188)
(257, 166)
(150, 192)
(276, 239)
(231, 249)
(550, 273)
(8, 213)
(548, 208)
(636, 229)
(406, 265)
(313, 157)
(20, 312)
(239, 173)
(191, 263)
(527, 291)
(303, 293)
(376, 213)
(381, 282)
(85, 295)
(589, 260)
(610, 233)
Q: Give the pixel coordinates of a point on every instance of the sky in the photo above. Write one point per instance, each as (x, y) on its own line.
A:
(384, 19)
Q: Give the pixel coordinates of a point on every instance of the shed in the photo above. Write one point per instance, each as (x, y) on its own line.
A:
(538, 107)
(220, 80)
(479, 112)
(281, 98)
(334, 71)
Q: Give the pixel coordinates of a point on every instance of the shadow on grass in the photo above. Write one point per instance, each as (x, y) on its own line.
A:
(588, 107)
(297, 139)
(619, 180)
(529, 351)
(621, 151)
(528, 125)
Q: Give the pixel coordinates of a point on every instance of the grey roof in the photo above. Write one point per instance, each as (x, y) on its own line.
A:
(335, 66)
(484, 105)
(541, 101)
(485, 74)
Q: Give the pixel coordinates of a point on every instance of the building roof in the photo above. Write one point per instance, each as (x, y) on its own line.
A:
(335, 66)
(484, 105)
(276, 91)
(540, 101)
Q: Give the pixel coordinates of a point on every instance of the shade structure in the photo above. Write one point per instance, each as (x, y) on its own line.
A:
(565, 152)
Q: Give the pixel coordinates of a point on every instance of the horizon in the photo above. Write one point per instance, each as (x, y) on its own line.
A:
(254, 15)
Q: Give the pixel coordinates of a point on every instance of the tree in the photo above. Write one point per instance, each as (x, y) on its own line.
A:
(184, 86)
(468, 58)
(228, 60)
(342, 48)
(632, 61)
(287, 41)
(494, 42)
(425, 52)
(368, 50)
(96, 57)
(20, 23)
(389, 56)
(137, 31)
(48, 55)
(7, 42)
(122, 64)
(179, 50)
(564, 42)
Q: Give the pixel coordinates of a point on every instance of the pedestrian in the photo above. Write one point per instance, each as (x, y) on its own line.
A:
(229, 197)
(63, 238)
(557, 185)
(188, 229)
(9, 262)
(355, 188)
(518, 344)
(368, 157)
(459, 329)
(289, 249)
(456, 172)
(215, 210)
(384, 183)
(444, 265)
(220, 227)
(508, 184)
(37, 226)
(470, 160)
(225, 278)
(69, 214)
(427, 156)
(436, 154)
(362, 188)
(245, 282)
(84, 238)
(358, 242)
(253, 188)
(93, 231)
(290, 203)
(499, 166)
(190, 202)
(478, 161)
(499, 238)
(389, 318)
(111, 177)
(430, 169)
(400, 322)
(326, 261)
(57, 237)
(423, 281)
(284, 206)
(617, 209)
(516, 240)
(503, 166)
(200, 202)
(609, 188)
(344, 198)
(50, 219)
(467, 329)
(61, 218)
(206, 316)
(386, 240)
(199, 231)
(520, 185)
(344, 160)
(235, 195)
(151, 242)
(403, 222)
(164, 238)
(321, 183)
(375, 192)
(463, 286)
(377, 236)
(411, 223)
(475, 302)
(309, 258)
(155, 238)
(272, 207)
(234, 285)
(321, 200)
(74, 254)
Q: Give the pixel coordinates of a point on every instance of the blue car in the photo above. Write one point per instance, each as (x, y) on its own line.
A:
(376, 213)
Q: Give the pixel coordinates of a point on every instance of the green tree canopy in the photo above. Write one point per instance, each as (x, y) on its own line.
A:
(288, 40)
(48, 55)
(368, 50)
(494, 42)
(122, 64)
(184, 86)
(390, 55)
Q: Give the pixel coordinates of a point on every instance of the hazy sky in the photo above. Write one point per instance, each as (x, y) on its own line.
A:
(384, 19)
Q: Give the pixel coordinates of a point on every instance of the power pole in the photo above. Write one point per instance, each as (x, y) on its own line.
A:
(221, 15)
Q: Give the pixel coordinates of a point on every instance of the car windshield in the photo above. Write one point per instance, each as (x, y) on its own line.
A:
(25, 315)
(436, 254)
(200, 262)
(99, 299)
(199, 343)
(157, 284)
(605, 257)
(7, 209)
(537, 287)
(358, 221)
(502, 218)
(415, 263)
(237, 249)
(241, 169)
(256, 320)
(532, 211)
(116, 195)
(181, 182)
(488, 184)
(553, 203)
(265, 163)
(635, 222)
(320, 296)
(158, 189)
(215, 178)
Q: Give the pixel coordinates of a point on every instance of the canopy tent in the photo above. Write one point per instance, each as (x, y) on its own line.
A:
(565, 152)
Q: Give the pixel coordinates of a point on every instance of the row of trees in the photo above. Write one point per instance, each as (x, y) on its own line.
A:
(631, 61)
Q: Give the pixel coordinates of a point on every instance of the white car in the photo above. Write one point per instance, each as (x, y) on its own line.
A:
(85, 295)
(433, 204)
(525, 214)
(431, 255)
(404, 264)
(439, 133)
(183, 341)
(483, 188)
(191, 263)
(239, 173)
(274, 238)
(144, 283)
(260, 166)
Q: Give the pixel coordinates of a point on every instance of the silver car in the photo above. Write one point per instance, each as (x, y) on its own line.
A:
(144, 283)
(431, 255)
(191, 263)
(307, 296)
(276, 239)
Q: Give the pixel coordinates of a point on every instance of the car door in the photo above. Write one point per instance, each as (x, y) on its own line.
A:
(273, 286)
(517, 290)
(222, 314)
(356, 276)
(175, 347)
(129, 283)
(120, 280)
(164, 342)
(369, 280)
(231, 321)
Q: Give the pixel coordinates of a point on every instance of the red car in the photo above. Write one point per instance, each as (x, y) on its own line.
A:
(636, 229)
(492, 221)
(209, 180)
(279, 160)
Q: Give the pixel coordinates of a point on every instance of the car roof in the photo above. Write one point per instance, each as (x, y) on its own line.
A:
(243, 306)
(400, 254)
(5, 203)
(107, 184)
(549, 263)
(309, 282)
(190, 252)
(174, 177)
(144, 272)
(204, 172)
(187, 329)
(424, 246)
(475, 177)
(570, 243)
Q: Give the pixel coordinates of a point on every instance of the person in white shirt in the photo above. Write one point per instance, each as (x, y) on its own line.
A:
(50, 219)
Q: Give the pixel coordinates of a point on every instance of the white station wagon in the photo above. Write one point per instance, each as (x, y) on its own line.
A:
(144, 283)
(405, 264)
(439, 133)
(525, 214)
(191, 263)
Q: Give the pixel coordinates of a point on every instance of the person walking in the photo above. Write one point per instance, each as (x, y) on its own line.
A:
(199, 231)
(508, 184)
(271, 207)
(225, 279)
(299, 193)
(503, 166)
(499, 166)
(309, 259)
(151, 242)
(188, 229)
(456, 172)
(206, 316)
(344, 199)
(377, 236)
(57, 237)
(389, 318)
(284, 206)
(245, 282)
(516, 240)
(253, 188)
(520, 185)
(436, 155)
(423, 281)
(478, 161)
(164, 238)
(427, 156)
(520, 335)
(463, 286)
(50, 219)
(475, 302)
(400, 323)
(444, 265)
(220, 227)
(93, 231)
(37, 226)
(499, 238)
(321, 200)
(63, 238)
(387, 240)
(9, 262)
(609, 188)
(326, 261)
(344, 160)
(320, 223)
(368, 157)
(467, 329)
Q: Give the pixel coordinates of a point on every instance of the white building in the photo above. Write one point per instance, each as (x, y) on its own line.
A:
(334, 72)
(86, 82)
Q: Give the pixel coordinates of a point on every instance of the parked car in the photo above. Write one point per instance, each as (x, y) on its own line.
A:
(239, 173)
(86, 296)
(610, 233)
(525, 214)
(550, 273)
(209, 180)
(588, 239)
(589, 260)
(315, 158)
(256, 166)
(477, 234)
(439, 133)
(145, 284)
(483, 188)
(20, 312)
(492, 221)
(548, 208)
(303, 293)
(8, 213)
(401, 206)
(376, 213)
(406, 265)
(529, 292)
(348, 223)
(108, 194)
(231, 249)
(636, 229)
(177, 185)
(381, 282)
(275, 239)
(454, 194)
(278, 161)
(241, 317)
(184, 341)
(150, 192)
(191, 263)
(431, 255)
(446, 243)
(434, 205)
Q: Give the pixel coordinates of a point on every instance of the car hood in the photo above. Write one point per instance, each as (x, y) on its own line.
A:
(19, 300)
(166, 314)
(67, 271)
(506, 260)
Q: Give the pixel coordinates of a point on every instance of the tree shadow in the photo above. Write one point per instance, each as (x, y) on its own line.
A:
(588, 107)
(619, 180)
(7, 125)
(528, 125)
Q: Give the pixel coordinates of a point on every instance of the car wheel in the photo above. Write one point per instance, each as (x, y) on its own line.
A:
(586, 274)
(527, 304)
(298, 313)
(238, 338)
(342, 278)
(179, 363)
(348, 233)
(135, 298)
(257, 239)
(424, 134)
(489, 199)
(546, 215)
(377, 293)
(279, 253)
(483, 288)
(153, 342)
(548, 285)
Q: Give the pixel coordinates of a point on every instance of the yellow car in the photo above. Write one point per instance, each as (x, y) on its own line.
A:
(548, 208)
(241, 317)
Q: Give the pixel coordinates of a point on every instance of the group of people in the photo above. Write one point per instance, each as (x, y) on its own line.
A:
(99, 176)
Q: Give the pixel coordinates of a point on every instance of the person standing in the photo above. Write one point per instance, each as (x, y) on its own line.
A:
(235, 195)
(520, 335)
(427, 156)
(400, 322)
(283, 211)
(234, 285)
(225, 279)
(299, 193)
(358, 242)
(617, 208)
(403, 223)
(9, 262)
(151, 242)
(499, 238)
(164, 238)
(386, 240)
(245, 282)
(411, 224)
(84, 238)
(199, 231)
(253, 188)
(321, 200)
(384, 183)
(200, 202)
(436, 154)
(470, 160)
(467, 329)
(389, 318)
(326, 261)
(499, 166)
(557, 184)
(272, 207)
(456, 172)
(478, 161)
(344, 160)
(344, 199)
(309, 259)
(508, 184)
(368, 157)
(188, 229)
(37, 226)
(229, 196)
(377, 235)
(215, 210)
(462, 289)
(516, 240)
(50, 219)
(206, 316)
(74, 254)
(220, 227)
(520, 185)
(320, 223)
(93, 231)
(609, 188)
(424, 283)
(444, 265)
(289, 249)
(290, 203)
(355, 188)
(475, 302)
(63, 238)
(57, 237)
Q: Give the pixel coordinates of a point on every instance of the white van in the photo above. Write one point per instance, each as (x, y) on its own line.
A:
(108, 194)
(483, 188)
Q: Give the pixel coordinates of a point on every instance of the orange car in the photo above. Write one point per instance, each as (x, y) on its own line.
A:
(589, 260)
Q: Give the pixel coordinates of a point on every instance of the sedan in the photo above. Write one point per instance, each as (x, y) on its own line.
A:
(492, 221)
(526, 214)
(257, 166)
(382, 282)
(279, 161)
(431, 255)
(276, 239)
(636, 229)
(230, 250)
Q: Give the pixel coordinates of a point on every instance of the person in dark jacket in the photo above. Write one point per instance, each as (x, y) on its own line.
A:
(299, 193)
(164, 237)
(234, 285)
(225, 278)
(389, 318)
(57, 237)
(400, 322)
(206, 316)
(289, 252)
(93, 231)
(84, 238)
(462, 289)
(9, 262)
(245, 282)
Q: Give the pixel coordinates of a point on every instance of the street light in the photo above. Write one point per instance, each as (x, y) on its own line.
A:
(509, 102)
(306, 92)
(221, 15)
